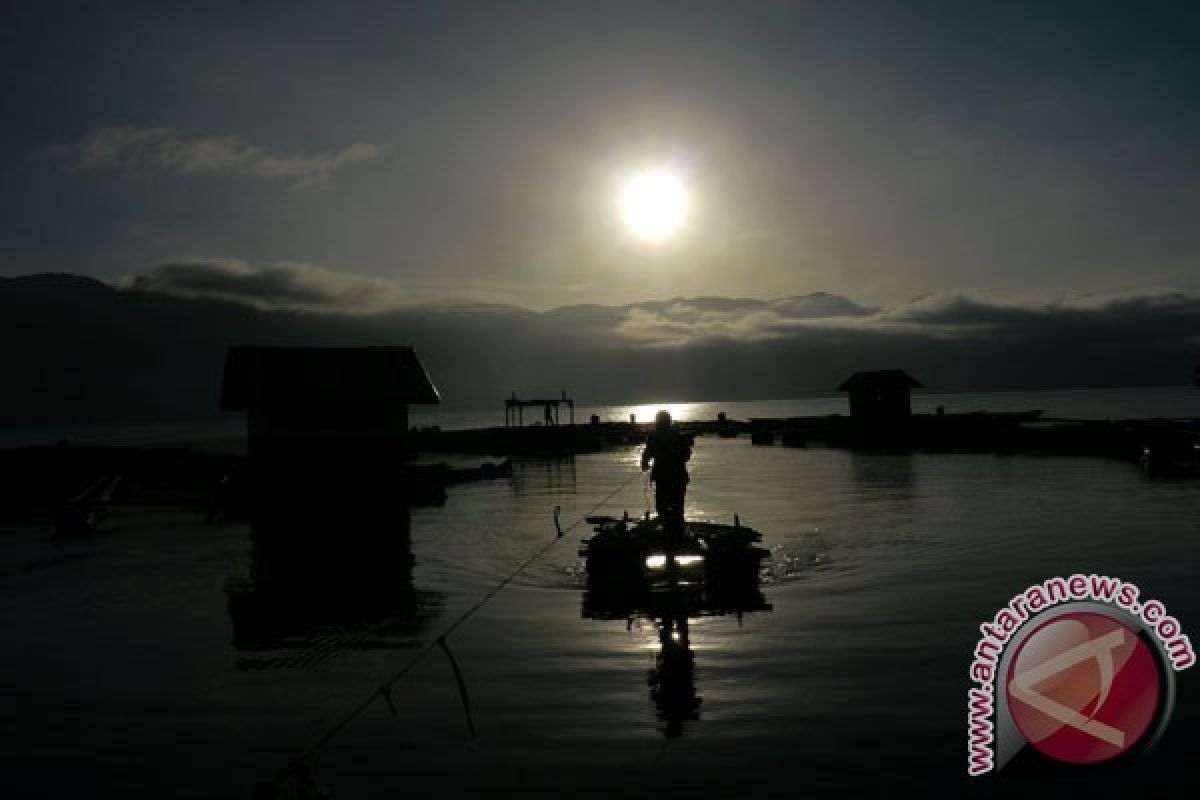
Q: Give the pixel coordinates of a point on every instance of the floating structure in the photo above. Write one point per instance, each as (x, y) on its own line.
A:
(1170, 440)
(880, 395)
(1169, 450)
(725, 427)
(761, 434)
(79, 484)
(670, 574)
(514, 409)
(641, 558)
(535, 441)
(325, 412)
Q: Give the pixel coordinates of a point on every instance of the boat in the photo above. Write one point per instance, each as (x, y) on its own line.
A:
(711, 564)
(671, 571)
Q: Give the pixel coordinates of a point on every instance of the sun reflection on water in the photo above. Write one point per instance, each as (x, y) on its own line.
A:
(678, 411)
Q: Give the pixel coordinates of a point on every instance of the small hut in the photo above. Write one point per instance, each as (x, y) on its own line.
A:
(880, 395)
(321, 410)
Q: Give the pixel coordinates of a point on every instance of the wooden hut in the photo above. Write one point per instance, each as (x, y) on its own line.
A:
(880, 395)
(321, 411)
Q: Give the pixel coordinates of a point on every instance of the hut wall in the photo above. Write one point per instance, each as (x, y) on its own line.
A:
(327, 442)
(879, 401)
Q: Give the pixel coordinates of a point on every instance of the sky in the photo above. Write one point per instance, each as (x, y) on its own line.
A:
(412, 153)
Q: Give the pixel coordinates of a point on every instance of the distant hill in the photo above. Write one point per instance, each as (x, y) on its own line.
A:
(79, 350)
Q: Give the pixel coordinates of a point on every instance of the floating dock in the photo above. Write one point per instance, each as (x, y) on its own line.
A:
(1159, 445)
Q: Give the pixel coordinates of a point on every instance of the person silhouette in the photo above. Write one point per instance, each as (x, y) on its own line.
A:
(669, 450)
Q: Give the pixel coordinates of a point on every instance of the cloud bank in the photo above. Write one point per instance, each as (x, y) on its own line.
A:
(950, 315)
(1173, 315)
(128, 147)
(279, 287)
(154, 350)
(685, 321)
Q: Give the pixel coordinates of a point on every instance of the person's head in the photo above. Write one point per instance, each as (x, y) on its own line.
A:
(662, 420)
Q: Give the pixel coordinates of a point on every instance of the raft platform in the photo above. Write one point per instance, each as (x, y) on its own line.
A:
(647, 563)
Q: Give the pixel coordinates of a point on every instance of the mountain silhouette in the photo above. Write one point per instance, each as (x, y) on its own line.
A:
(80, 350)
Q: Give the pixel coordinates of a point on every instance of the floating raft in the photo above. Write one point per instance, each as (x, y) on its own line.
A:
(643, 562)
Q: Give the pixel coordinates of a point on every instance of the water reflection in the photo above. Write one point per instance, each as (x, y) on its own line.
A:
(673, 680)
(325, 578)
(894, 471)
(543, 475)
(730, 585)
(646, 412)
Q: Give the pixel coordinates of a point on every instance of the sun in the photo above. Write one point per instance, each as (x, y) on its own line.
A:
(654, 205)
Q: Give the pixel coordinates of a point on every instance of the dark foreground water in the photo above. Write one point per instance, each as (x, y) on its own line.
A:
(120, 678)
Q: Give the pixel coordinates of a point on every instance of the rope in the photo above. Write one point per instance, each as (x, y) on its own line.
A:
(298, 767)
(462, 685)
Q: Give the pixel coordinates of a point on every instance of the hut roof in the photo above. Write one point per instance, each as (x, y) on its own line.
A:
(880, 377)
(266, 377)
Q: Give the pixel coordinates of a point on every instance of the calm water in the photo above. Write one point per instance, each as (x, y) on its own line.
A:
(121, 679)
(228, 431)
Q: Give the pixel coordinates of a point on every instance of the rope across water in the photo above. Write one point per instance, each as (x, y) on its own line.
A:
(298, 767)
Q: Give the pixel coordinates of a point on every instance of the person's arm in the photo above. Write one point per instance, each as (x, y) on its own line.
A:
(649, 452)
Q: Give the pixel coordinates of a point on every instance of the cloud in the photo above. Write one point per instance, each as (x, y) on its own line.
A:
(1163, 315)
(683, 321)
(820, 305)
(951, 315)
(146, 357)
(970, 312)
(288, 286)
(127, 147)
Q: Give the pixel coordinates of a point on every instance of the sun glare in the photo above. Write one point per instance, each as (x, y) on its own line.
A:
(654, 205)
